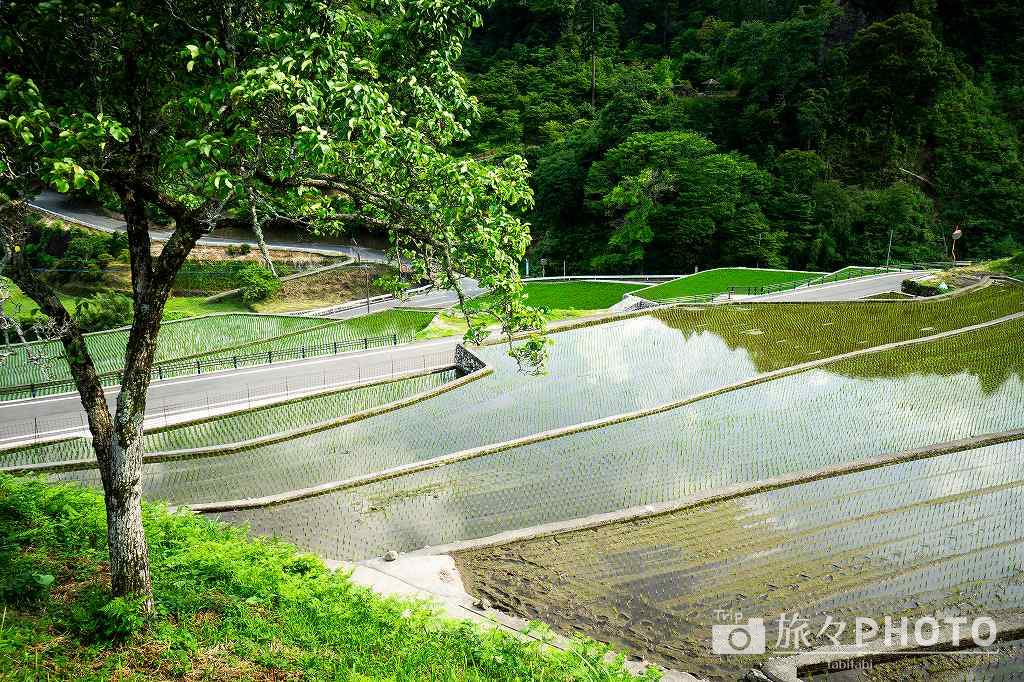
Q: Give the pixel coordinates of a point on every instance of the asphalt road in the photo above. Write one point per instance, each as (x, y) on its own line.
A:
(849, 290)
(64, 207)
(175, 400)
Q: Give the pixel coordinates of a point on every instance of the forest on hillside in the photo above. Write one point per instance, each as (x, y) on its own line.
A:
(664, 135)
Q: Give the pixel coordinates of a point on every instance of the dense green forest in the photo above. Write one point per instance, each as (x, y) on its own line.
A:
(665, 135)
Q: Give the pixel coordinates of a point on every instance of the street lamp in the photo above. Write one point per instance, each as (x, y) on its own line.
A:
(957, 233)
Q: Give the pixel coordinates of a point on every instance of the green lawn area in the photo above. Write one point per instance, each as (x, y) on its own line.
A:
(718, 281)
(561, 300)
(569, 295)
(228, 608)
(577, 295)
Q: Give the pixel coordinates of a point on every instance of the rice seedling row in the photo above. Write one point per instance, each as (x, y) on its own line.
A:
(940, 534)
(262, 421)
(595, 372)
(177, 339)
(799, 423)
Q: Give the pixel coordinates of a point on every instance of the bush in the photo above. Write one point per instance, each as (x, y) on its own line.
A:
(240, 250)
(924, 288)
(257, 283)
(1016, 266)
(116, 244)
(105, 310)
(81, 260)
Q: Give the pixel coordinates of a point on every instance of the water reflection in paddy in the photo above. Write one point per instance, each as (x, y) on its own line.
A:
(940, 534)
(808, 421)
(594, 372)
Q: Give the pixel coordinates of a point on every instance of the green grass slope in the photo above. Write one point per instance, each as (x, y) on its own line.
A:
(228, 608)
(718, 281)
(576, 295)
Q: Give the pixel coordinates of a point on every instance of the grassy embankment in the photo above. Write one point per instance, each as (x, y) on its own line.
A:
(228, 607)
(177, 306)
(720, 280)
(558, 300)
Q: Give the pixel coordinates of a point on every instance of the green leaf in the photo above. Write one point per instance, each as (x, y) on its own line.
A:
(43, 579)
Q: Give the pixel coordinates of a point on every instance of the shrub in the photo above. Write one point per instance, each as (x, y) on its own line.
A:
(81, 259)
(1016, 266)
(924, 288)
(257, 283)
(116, 244)
(105, 310)
(239, 250)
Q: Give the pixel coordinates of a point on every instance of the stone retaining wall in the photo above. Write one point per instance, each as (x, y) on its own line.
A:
(466, 362)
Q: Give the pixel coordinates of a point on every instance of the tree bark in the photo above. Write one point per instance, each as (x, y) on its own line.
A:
(118, 440)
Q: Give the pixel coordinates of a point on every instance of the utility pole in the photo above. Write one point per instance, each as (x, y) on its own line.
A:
(366, 271)
(888, 252)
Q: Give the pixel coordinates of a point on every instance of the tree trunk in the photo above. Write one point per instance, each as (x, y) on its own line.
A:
(126, 539)
(117, 442)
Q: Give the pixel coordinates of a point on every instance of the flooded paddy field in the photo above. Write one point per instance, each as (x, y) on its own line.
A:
(595, 372)
(942, 534)
(941, 531)
(843, 412)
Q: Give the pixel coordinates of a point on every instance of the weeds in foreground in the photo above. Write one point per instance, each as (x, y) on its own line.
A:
(229, 607)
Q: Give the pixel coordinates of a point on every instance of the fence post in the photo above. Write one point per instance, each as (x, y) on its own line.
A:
(270, 356)
(366, 344)
(160, 372)
(199, 369)
(35, 428)
(335, 348)
(234, 359)
(394, 339)
(32, 389)
(302, 352)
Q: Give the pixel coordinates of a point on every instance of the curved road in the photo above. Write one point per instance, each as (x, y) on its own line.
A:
(848, 290)
(64, 207)
(61, 206)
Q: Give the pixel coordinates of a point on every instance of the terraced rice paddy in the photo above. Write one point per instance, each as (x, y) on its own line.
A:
(246, 425)
(213, 336)
(939, 529)
(830, 416)
(903, 540)
(595, 372)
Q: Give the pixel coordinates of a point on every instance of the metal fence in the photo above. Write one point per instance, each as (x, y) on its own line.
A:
(205, 365)
(202, 404)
